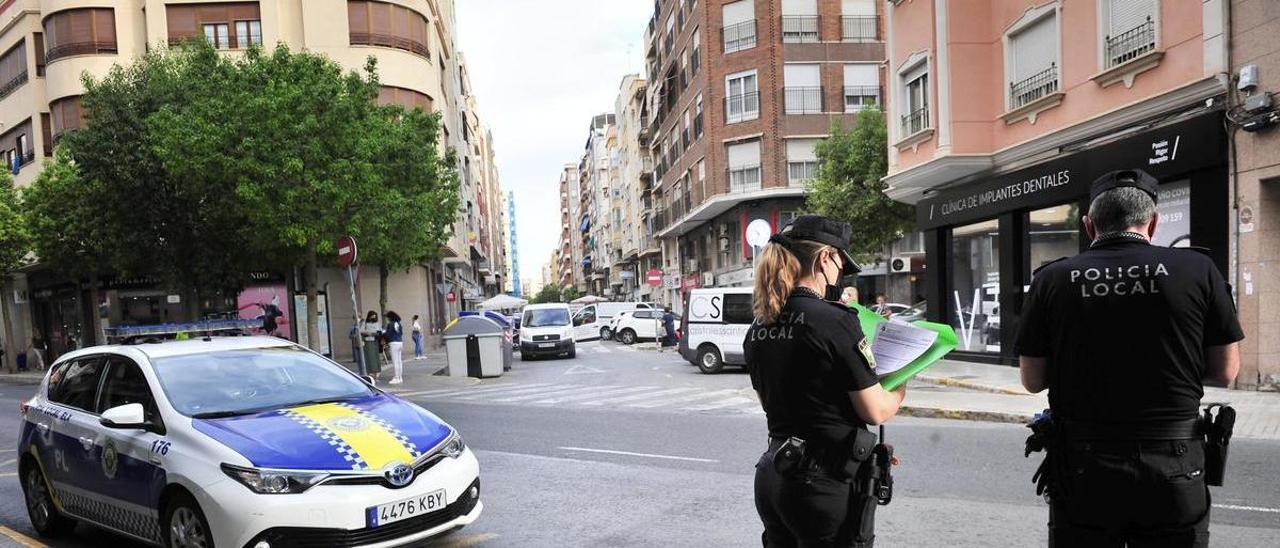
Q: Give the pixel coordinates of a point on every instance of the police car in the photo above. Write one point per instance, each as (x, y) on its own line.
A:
(238, 442)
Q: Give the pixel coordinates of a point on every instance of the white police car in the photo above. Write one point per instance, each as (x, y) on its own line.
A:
(237, 442)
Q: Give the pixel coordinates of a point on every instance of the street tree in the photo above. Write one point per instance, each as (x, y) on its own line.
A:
(849, 185)
(569, 294)
(15, 240)
(549, 293)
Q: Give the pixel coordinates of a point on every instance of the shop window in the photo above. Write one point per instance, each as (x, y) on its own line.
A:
(1174, 205)
(975, 286)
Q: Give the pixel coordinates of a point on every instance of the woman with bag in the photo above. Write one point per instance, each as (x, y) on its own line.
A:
(668, 334)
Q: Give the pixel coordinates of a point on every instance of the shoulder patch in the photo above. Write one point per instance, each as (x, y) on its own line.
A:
(864, 348)
(1046, 265)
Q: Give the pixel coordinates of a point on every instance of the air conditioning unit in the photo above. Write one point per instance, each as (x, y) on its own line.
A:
(691, 265)
(724, 244)
(899, 265)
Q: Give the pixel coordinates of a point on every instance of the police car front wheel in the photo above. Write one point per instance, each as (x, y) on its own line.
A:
(45, 518)
(185, 525)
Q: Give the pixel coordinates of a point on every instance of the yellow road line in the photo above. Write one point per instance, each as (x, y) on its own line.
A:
(21, 538)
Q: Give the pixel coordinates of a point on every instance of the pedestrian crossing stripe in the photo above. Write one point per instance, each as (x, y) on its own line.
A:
(692, 399)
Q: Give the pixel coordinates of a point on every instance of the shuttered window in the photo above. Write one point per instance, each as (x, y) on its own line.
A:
(391, 95)
(387, 25)
(225, 25)
(739, 19)
(13, 69)
(1034, 49)
(802, 160)
(858, 7)
(744, 166)
(1130, 27)
(802, 88)
(67, 115)
(1126, 15)
(861, 86)
(83, 31)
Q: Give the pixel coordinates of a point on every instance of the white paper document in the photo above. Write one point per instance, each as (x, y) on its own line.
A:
(897, 344)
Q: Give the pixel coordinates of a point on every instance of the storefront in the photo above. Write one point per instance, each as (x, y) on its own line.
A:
(984, 239)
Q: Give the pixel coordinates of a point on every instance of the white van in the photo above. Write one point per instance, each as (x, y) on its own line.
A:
(546, 329)
(714, 324)
(592, 321)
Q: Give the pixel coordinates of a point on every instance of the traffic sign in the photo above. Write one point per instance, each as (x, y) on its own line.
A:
(346, 251)
(654, 277)
(451, 297)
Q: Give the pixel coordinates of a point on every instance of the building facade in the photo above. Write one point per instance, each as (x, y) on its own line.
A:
(739, 93)
(46, 46)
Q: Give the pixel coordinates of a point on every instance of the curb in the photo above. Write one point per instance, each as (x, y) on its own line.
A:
(16, 380)
(963, 414)
(949, 381)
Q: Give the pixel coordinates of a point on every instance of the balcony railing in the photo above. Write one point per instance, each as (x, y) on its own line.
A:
(803, 100)
(740, 36)
(744, 179)
(80, 48)
(915, 121)
(13, 84)
(738, 108)
(1131, 44)
(860, 28)
(800, 29)
(857, 98)
(1033, 87)
(390, 41)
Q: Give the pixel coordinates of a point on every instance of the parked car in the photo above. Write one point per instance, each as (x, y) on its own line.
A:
(906, 313)
(592, 321)
(638, 325)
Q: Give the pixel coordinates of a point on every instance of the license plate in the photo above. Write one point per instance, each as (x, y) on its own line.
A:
(547, 345)
(392, 512)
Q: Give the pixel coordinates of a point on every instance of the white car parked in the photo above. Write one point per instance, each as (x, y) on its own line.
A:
(237, 442)
(637, 325)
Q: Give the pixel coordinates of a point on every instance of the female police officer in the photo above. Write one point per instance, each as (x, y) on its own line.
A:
(814, 373)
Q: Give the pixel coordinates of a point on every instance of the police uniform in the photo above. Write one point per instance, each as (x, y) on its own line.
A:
(803, 366)
(1124, 327)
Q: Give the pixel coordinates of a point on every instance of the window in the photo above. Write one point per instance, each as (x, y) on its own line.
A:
(38, 40)
(916, 101)
(739, 25)
(225, 25)
(697, 52)
(975, 285)
(742, 97)
(702, 180)
(1031, 58)
(799, 21)
(46, 130)
(1174, 206)
(684, 69)
(860, 22)
(67, 114)
(669, 41)
(802, 88)
(737, 308)
(13, 69)
(861, 86)
(409, 99)
(744, 166)
(81, 31)
(387, 25)
(1130, 30)
(697, 117)
(802, 161)
(684, 134)
(124, 384)
(75, 384)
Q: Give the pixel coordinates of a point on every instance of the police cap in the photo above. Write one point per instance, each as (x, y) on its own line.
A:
(1135, 178)
(822, 230)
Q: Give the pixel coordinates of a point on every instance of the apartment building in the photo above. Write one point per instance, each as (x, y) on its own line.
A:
(631, 175)
(1000, 114)
(739, 93)
(596, 207)
(568, 254)
(46, 46)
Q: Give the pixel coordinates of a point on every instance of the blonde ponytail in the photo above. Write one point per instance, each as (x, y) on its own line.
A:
(778, 269)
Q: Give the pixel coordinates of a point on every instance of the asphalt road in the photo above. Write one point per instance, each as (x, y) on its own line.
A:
(570, 457)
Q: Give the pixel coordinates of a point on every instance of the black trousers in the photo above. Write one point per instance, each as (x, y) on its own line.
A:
(813, 508)
(1133, 493)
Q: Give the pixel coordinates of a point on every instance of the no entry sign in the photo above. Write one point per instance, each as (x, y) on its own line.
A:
(346, 251)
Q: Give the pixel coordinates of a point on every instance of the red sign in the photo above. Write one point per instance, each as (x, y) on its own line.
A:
(692, 281)
(346, 251)
(451, 297)
(654, 277)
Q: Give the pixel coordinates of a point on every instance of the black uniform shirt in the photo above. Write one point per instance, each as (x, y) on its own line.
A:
(1124, 326)
(804, 366)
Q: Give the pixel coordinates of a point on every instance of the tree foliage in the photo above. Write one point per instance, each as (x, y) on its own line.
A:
(549, 293)
(569, 294)
(15, 238)
(849, 186)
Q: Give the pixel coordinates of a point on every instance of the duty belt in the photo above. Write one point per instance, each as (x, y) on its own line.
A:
(1134, 431)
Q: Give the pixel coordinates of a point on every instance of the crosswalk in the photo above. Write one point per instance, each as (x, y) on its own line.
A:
(597, 396)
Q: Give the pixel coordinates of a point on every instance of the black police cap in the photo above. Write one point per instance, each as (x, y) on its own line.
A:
(823, 230)
(1134, 178)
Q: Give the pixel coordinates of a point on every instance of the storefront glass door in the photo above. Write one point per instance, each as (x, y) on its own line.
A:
(975, 286)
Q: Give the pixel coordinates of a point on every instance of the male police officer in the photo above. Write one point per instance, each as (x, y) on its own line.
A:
(1123, 335)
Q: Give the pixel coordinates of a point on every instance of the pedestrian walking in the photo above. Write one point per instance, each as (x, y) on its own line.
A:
(417, 338)
(1123, 336)
(818, 482)
(394, 333)
(668, 329)
(371, 334)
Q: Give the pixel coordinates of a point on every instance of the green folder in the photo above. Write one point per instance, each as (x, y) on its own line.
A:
(945, 343)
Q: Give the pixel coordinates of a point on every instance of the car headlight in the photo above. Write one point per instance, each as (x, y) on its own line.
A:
(272, 482)
(453, 448)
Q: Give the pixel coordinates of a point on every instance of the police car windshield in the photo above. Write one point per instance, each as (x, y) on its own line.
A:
(240, 382)
(547, 317)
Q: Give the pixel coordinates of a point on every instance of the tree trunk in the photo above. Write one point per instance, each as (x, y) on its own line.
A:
(310, 274)
(95, 313)
(12, 346)
(383, 275)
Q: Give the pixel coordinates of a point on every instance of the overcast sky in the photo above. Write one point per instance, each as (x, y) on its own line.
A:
(540, 70)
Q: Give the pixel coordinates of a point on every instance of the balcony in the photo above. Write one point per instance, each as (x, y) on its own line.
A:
(13, 84)
(739, 36)
(1131, 44)
(803, 100)
(860, 28)
(1034, 88)
(740, 108)
(389, 41)
(744, 179)
(915, 121)
(80, 48)
(800, 29)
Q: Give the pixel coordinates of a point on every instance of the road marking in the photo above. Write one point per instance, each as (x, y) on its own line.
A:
(638, 397)
(8, 474)
(1248, 508)
(564, 391)
(21, 538)
(727, 402)
(424, 392)
(529, 388)
(582, 370)
(683, 398)
(611, 391)
(8, 462)
(600, 349)
(630, 454)
(491, 389)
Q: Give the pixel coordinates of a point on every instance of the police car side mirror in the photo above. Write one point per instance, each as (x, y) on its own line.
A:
(368, 379)
(129, 416)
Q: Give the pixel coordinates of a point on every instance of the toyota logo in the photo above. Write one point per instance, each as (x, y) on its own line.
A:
(399, 475)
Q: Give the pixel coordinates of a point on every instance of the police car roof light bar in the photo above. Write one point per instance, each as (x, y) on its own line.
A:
(128, 334)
